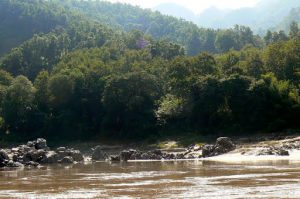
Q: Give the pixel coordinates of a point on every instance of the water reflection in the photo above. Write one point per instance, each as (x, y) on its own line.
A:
(179, 179)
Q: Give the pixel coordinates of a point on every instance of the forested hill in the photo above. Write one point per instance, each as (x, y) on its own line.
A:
(22, 19)
(81, 78)
(162, 27)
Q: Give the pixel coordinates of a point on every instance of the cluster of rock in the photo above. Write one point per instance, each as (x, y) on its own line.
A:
(37, 152)
(125, 155)
(273, 150)
(223, 145)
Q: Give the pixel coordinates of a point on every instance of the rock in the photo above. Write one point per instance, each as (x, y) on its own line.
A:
(145, 156)
(157, 152)
(283, 152)
(76, 155)
(32, 164)
(125, 155)
(66, 160)
(13, 164)
(207, 150)
(98, 154)
(273, 151)
(50, 158)
(34, 155)
(31, 143)
(180, 156)
(114, 158)
(136, 155)
(169, 156)
(223, 145)
(3, 155)
(41, 144)
(15, 150)
(3, 158)
(61, 149)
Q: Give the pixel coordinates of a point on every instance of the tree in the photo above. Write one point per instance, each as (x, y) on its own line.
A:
(268, 38)
(18, 105)
(129, 102)
(294, 29)
(225, 41)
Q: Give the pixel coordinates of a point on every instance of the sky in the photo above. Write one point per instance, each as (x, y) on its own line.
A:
(197, 6)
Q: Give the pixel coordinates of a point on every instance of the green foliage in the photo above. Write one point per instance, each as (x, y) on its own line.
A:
(129, 102)
(90, 79)
(18, 104)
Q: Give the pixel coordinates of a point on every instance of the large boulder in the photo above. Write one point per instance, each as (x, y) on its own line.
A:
(50, 158)
(207, 150)
(3, 158)
(279, 151)
(66, 160)
(98, 154)
(125, 155)
(13, 164)
(223, 145)
(41, 143)
(35, 156)
(114, 158)
(76, 155)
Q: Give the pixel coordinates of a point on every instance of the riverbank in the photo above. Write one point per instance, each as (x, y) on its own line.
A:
(276, 146)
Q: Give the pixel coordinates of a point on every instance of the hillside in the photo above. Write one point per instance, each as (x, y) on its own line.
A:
(81, 78)
(265, 15)
(159, 26)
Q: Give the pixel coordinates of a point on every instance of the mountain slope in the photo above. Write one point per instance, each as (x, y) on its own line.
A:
(20, 20)
(265, 15)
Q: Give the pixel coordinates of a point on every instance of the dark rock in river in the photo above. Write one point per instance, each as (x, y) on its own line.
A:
(3, 158)
(125, 155)
(66, 160)
(37, 152)
(114, 158)
(223, 145)
(31, 164)
(98, 154)
(50, 158)
(273, 151)
(13, 164)
(148, 155)
(41, 143)
(207, 150)
(76, 155)
(34, 155)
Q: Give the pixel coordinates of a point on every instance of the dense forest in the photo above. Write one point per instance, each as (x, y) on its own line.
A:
(80, 69)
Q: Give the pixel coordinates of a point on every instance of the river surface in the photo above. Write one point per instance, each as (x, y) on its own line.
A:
(180, 179)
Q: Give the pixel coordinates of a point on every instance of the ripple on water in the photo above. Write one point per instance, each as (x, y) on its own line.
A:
(155, 180)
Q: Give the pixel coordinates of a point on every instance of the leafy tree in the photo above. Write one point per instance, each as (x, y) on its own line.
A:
(294, 29)
(129, 107)
(18, 105)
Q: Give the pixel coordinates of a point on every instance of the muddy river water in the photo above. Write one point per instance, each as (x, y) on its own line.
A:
(180, 179)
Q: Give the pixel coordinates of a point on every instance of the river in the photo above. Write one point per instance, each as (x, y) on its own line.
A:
(179, 179)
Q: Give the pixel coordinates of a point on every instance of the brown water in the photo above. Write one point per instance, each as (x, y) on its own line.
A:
(187, 179)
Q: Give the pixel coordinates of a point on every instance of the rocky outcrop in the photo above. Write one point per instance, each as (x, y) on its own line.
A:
(279, 151)
(223, 145)
(98, 154)
(66, 160)
(131, 154)
(37, 152)
(3, 158)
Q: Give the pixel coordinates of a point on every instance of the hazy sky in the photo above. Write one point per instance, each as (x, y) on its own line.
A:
(195, 5)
